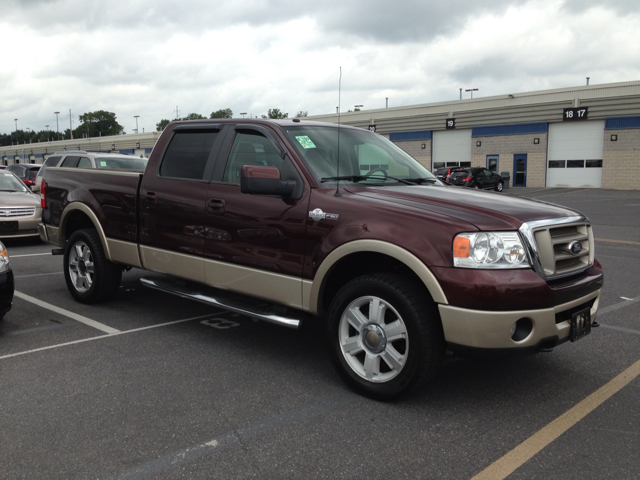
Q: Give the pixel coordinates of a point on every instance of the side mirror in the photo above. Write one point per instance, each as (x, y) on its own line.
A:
(263, 180)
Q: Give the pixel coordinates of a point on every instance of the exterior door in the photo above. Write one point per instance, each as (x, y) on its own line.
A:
(492, 163)
(255, 243)
(520, 170)
(173, 201)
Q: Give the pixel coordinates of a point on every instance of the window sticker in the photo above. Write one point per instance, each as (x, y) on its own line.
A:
(305, 142)
(103, 163)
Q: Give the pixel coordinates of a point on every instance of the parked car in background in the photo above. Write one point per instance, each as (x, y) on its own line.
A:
(476, 177)
(26, 172)
(6, 282)
(84, 159)
(443, 173)
(20, 210)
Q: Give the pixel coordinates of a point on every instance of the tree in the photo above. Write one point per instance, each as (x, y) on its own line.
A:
(98, 123)
(275, 113)
(162, 124)
(302, 114)
(194, 116)
(222, 113)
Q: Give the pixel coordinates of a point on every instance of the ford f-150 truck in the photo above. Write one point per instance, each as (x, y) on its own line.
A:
(293, 221)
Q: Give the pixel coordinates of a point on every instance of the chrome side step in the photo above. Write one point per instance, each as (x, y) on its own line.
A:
(251, 307)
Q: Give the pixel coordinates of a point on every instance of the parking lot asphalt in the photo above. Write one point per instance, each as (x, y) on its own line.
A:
(155, 386)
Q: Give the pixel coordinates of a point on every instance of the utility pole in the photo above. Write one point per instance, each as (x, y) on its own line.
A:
(177, 113)
(57, 125)
(136, 117)
(70, 125)
(471, 90)
(16, 120)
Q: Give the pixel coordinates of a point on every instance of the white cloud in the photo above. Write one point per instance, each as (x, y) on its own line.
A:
(146, 58)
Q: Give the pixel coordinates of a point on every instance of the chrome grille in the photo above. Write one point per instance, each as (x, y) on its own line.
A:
(560, 247)
(12, 212)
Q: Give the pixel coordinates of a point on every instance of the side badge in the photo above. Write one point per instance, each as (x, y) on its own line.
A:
(318, 215)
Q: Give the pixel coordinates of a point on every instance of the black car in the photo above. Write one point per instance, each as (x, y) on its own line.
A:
(26, 172)
(6, 282)
(476, 177)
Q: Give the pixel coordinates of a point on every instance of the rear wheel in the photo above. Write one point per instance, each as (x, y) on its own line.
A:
(385, 337)
(90, 277)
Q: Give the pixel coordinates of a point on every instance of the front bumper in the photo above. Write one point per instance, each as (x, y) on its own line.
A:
(475, 331)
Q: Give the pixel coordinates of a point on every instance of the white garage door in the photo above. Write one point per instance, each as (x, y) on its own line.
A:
(452, 147)
(575, 154)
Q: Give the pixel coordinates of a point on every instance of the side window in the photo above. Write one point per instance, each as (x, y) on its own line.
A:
(84, 163)
(187, 154)
(70, 162)
(250, 148)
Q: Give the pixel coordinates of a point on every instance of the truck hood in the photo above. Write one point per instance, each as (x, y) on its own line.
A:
(484, 210)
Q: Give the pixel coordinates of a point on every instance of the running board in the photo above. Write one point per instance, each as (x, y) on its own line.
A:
(251, 307)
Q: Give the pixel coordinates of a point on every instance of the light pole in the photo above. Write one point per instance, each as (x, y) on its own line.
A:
(29, 133)
(16, 120)
(57, 126)
(136, 117)
(47, 127)
(243, 114)
(471, 90)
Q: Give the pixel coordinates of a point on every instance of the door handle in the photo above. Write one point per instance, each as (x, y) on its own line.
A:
(151, 198)
(215, 206)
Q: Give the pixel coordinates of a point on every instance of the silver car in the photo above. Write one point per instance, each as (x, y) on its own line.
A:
(20, 210)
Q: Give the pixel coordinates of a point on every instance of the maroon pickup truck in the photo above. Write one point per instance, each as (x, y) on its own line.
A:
(293, 221)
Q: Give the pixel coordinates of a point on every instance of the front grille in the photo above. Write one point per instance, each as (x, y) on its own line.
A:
(560, 247)
(12, 212)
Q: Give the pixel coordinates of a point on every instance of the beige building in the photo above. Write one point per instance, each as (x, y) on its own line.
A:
(585, 136)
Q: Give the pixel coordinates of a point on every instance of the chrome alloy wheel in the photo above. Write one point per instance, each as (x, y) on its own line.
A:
(81, 269)
(373, 339)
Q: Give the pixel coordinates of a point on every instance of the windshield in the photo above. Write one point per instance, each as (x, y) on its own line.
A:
(126, 163)
(9, 183)
(364, 156)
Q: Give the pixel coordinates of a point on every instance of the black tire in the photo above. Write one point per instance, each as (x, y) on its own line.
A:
(385, 358)
(499, 186)
(90, 277)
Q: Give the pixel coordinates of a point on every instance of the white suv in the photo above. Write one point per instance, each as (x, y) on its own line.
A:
(84, 159)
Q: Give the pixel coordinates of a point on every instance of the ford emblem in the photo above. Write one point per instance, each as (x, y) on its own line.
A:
(575, 248)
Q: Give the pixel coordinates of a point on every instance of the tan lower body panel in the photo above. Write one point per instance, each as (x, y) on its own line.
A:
(282, 289)
(172, 263)
(481, 329)
(124, 252)
(274, 287)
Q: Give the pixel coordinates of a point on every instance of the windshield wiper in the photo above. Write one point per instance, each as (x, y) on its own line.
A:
(360, 178)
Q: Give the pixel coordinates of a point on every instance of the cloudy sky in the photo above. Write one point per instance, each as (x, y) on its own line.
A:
(150, 56)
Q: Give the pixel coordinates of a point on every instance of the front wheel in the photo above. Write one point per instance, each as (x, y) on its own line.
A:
(90, 277)
(385, 337)
(499, 186)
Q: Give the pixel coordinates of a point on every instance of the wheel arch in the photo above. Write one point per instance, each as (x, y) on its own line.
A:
(362, 257)
(76, 217)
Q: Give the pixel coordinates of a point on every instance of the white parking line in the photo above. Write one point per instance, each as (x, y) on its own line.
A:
(29, 255)
(67, 313)
(100, 337)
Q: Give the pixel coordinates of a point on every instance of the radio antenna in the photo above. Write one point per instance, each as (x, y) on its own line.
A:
(337, 194)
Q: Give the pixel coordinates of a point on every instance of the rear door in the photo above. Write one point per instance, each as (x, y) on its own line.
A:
(173, 200)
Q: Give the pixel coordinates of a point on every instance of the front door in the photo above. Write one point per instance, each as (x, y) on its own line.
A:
(255, 244)
(520, 170)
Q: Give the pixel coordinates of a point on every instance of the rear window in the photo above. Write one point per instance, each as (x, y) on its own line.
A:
(187, 154)
(121, 163)
(460, 173)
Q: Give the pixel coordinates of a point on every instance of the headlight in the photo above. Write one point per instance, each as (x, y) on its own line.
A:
(489, 250)
(4, 259)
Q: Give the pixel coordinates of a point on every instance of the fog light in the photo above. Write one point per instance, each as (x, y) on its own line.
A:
(521, 329)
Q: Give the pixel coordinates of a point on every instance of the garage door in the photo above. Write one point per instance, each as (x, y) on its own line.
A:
(452, 147)
(575, 154)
